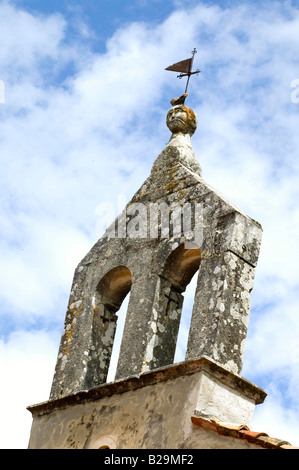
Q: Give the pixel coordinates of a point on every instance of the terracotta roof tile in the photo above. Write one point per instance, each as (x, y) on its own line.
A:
(240, 431)
(253, 434)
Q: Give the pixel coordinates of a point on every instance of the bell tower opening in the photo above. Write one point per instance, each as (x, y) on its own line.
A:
(121, 318)
(110, 294)
(114, 286)
(181, 268)
(189, 294)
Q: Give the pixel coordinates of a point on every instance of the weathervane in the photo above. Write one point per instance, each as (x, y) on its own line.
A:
(185, 67)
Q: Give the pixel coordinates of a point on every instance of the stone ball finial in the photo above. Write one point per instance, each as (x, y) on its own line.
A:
(181, 119)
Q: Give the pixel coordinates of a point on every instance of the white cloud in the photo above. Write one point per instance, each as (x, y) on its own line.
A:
(26, 363)
(37, 39)
(69, 144)
(275, 419)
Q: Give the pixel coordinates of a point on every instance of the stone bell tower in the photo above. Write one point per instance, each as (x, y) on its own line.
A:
(175, 226)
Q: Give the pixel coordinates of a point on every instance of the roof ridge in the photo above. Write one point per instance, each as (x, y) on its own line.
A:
(240, 431)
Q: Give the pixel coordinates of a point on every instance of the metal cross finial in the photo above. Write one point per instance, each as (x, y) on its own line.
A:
(185, 67)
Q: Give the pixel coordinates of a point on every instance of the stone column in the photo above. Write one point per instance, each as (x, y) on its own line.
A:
(221, 310)
(222, 301)
(151, 328)
(102, 339)
(71, 366)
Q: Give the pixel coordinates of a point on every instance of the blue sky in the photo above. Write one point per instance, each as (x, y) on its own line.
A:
(82, 121)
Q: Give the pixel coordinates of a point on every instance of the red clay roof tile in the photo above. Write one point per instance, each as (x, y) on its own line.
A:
(240, 431)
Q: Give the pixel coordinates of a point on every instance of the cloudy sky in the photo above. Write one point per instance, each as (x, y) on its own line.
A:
(83, 101)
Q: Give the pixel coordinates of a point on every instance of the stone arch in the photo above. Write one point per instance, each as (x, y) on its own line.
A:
(103, 442)
(110, 293)
(114, 286)
(181, 265)
(180, 268)
(177, 272)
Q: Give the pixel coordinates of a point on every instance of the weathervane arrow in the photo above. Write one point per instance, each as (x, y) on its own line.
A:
(185, 67)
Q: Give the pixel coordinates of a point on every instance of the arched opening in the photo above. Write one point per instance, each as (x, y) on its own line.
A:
(177, 273)
(110, 294)
(103, 442)
(121, 318)
(114, 286)
(181, 266)
(180, 269)
(182, 340)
